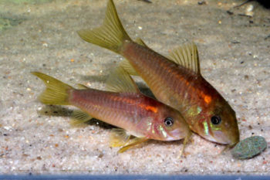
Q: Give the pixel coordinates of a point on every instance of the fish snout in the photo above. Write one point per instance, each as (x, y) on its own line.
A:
(179, 133)
(224, 138)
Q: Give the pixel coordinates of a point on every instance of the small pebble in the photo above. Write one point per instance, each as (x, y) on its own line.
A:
(202, 3)
(249, 147)
(249, 10)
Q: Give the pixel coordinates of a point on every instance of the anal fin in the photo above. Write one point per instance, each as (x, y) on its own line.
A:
(79, 117)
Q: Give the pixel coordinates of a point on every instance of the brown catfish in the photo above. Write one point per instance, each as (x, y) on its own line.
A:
(175, 81)
(123, 106)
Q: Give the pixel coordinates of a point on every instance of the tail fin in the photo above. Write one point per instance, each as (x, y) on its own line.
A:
(56, 92)
(110, 35)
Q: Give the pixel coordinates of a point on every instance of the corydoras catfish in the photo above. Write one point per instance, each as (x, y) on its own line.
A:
(175, 81)
(137, 116)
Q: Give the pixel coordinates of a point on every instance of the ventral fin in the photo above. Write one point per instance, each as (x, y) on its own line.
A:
(79, 117)
(120, 81)
(186, 56)
(119, 137)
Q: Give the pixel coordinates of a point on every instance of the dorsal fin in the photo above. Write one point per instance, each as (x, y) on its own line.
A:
(186, 56)
(120, 81)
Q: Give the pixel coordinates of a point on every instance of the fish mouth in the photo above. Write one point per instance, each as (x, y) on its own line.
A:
(217, 137)
(221, 138)
(176, 134)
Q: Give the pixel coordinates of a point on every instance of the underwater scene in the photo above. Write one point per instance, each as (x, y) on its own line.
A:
(134, 87)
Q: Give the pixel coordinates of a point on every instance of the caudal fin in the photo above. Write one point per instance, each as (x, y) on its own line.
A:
(56, 92)
(110, 35)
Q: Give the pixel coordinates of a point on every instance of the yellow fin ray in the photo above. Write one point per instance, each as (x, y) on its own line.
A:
(186, 56)
(56, 92)
(110, 35)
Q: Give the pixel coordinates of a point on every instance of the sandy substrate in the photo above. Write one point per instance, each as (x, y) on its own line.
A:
(234, 53)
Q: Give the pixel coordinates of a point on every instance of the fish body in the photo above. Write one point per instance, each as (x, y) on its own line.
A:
(137, 114)
(175, 81)
(140, 115)
(186, 91)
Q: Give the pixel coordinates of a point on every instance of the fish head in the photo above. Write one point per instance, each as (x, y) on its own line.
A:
(170, 125)
(219, 124)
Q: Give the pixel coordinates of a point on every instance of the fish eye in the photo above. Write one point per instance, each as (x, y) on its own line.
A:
(216, 120)
(168, 121)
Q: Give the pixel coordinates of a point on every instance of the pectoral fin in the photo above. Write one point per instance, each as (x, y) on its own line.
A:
(132, 143)
(226, 148)
(182, 152)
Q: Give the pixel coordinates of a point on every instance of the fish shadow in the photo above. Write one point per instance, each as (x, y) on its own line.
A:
(166, 143)
(145, 90)
(60, 111)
